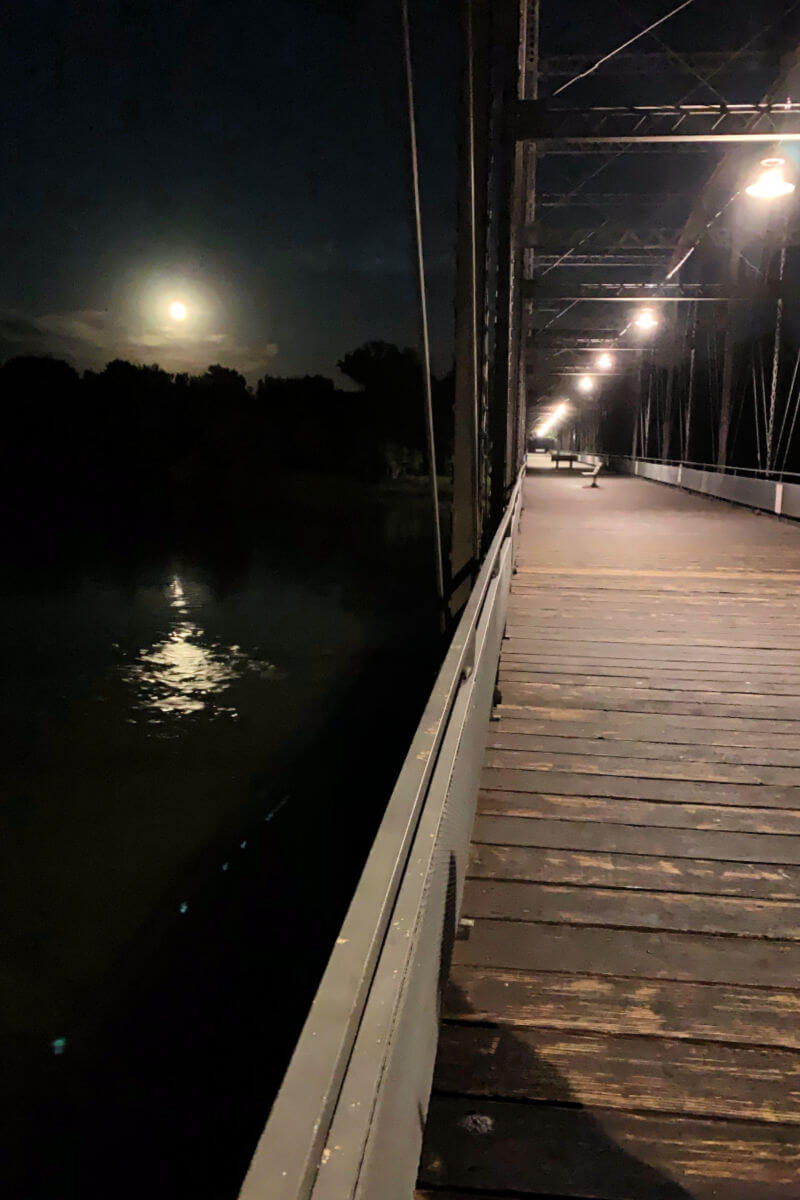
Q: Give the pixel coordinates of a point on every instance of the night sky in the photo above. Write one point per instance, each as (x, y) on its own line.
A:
(248, 159)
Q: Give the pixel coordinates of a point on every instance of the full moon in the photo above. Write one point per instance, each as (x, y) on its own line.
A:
(177, 311)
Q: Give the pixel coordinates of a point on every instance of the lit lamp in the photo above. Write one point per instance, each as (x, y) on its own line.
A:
(770, 184)
(645, 319)
(605, 362)
(585, 383)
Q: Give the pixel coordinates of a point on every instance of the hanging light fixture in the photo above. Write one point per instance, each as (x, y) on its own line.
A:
(645, 319)
(585, 383)
(771, 184)
(605, 362)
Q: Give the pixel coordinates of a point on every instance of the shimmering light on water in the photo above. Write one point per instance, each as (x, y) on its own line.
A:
(184, 672)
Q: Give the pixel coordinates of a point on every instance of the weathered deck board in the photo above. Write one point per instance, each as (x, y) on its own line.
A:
(642, 1073)
(559, 904)
(622, 1018)
(658, 842)
(627, 811)
(647, 872)
(501, 738)
(608, 1004)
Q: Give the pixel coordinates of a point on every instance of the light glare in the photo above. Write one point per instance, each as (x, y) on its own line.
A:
(646, 319)
(555, 416)
(585, 383)
(177, 311)
(605, 362)
(770, 184)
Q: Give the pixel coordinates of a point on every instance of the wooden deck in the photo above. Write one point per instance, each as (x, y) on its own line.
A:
(622, 1020)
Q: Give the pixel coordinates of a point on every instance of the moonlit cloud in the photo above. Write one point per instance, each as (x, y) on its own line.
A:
(91, 338)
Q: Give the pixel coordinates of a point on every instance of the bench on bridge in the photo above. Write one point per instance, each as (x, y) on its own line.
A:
(558, 456)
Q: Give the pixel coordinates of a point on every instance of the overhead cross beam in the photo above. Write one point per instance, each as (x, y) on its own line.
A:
(620, 200)
(638, 125)
(609, 237)
(558, 66)
(656, 293)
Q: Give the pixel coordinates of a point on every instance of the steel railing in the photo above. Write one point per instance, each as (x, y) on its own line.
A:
(752, 472)
(346, 1121)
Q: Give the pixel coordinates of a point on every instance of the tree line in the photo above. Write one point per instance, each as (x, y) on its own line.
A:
(139, 449)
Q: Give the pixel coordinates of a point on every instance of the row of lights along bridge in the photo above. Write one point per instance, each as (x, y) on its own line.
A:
(770, 184)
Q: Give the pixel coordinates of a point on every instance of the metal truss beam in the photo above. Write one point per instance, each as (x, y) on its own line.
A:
(609, 237)
(624, 200)
(655, 293)
(559, 66)
(700, 124)
(591, 336)
(646, 261)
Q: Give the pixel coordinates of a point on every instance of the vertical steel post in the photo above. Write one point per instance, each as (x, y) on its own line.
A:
(727, 366)
(506, 212)
(687, 454)
(776, 353)
(467, 503)
(669, 385)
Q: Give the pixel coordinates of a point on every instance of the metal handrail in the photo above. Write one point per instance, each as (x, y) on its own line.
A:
(757, 472)
(288, 1154)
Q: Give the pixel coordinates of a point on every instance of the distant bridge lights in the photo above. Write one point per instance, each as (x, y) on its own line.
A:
(585, 383)
(604, 362)
(771, 184)
(646, 320)
(552, 420)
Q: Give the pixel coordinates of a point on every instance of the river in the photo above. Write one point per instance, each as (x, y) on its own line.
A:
(200, 748)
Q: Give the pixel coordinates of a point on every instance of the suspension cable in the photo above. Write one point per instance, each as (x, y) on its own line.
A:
(423, 306)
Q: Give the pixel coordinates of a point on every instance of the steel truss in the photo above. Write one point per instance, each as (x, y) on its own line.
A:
(641, 125)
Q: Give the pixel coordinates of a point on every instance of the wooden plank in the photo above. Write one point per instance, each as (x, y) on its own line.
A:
(626, 908)
(611, 809)
(575, 783)
(500, 738)
(636, 668)
(531, 676)
(631, 839)
(515, 697)
(723, 703)
(642, 768)
(716, 1012)
(693, 957)
(664, 1075)
(534, 865)
(675, 729)
(723, 647)
(590, 646)
(554, 1150)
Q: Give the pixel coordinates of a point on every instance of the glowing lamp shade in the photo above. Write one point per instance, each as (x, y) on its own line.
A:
(605, 362)
(585, 383)
(177, 311)
(770, 184)
(645, 319)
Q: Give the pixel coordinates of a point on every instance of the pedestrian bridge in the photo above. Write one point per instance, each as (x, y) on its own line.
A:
(583, 904)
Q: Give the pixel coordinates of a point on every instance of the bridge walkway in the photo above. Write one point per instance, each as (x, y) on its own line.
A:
(622, 1018)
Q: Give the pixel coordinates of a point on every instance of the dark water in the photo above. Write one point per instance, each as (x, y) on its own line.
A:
(199, 753)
